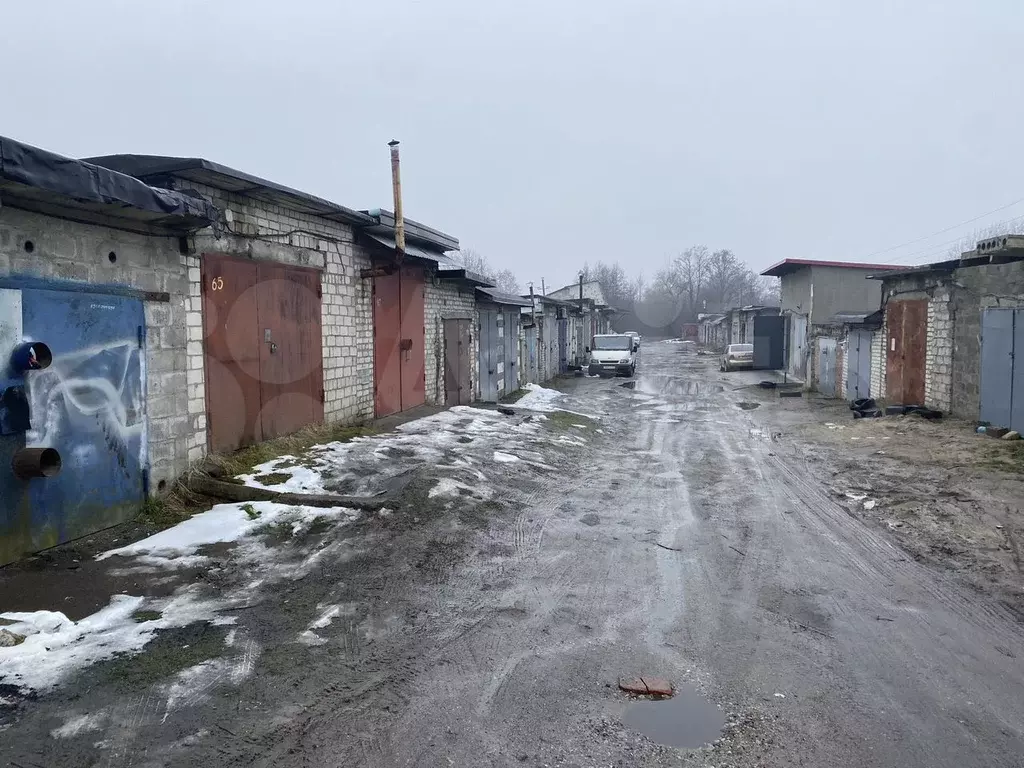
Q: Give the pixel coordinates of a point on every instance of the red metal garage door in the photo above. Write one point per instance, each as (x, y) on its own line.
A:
(264, 367)
(291, 362)
(399, 360)
(414, 361)
(907, 330)
(232, 352)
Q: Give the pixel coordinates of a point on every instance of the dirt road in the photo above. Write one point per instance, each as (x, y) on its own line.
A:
(673, 534)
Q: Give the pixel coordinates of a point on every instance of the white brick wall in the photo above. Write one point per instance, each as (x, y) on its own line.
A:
(879, 345)
(71, 251)
(446, 299)
(938, 368)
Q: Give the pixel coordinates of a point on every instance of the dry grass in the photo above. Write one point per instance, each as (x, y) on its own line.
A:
(244, 461)
(180, 503)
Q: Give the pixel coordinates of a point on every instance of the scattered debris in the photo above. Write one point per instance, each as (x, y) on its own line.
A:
(231, 491)
(647, 686)
(748, 406)
(590, 519)
(504, 410)
(883, 618)
(780, 695)
(9, 639)
(870, 504)
(665, 546)
(767, 384)
(791, 393)
(740, 551)
(1011, 435)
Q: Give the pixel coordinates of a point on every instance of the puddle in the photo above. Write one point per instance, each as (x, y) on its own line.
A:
(687, 720)
(660, 384)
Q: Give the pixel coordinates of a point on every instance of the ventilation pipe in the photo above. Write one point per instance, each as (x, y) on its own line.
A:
(396, 187)
(32, 356)
(36, 462)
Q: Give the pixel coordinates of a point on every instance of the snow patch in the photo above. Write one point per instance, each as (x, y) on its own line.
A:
(225, 523)
(78, 725)
(325, 619)
(448, 487)
(55, 647)
(538, 398)
(505, 458)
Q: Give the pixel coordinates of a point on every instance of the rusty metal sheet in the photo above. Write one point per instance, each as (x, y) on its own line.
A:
(907, 331)
(232, 351)
(413, 339)
(387, 327)
(915, 349)
(289, 333)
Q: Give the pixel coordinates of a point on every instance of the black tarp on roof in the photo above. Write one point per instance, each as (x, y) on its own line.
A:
(36, 179)
(156, 169)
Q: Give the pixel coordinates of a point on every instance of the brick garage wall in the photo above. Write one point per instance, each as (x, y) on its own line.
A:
(975, 289)
(441, 300)
(842, 361)
(69, 251)
(269, 232)
(879, 340)
(938, 366)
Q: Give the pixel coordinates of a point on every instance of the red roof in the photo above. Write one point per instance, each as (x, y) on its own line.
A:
(788, 266)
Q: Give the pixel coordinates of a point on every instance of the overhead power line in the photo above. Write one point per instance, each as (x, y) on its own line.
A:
(940, 248)
(943, 231)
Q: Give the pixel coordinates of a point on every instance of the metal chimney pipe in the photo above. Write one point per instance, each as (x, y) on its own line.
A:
(396, 186)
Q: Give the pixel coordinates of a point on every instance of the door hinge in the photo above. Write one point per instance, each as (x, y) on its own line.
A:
(323, 397)
(319, 290)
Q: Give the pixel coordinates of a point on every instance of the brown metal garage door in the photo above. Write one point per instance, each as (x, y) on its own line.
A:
(907, 331)
(264, 365)
(398, 341)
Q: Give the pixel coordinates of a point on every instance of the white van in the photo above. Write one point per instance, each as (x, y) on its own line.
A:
(612, 354)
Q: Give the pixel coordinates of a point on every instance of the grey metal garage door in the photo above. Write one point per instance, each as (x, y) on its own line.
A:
(1001, 401)
(858, 374)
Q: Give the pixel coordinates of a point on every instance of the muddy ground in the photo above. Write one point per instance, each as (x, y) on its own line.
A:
(695, 528)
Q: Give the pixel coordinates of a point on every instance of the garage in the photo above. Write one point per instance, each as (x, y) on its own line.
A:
(263, 350)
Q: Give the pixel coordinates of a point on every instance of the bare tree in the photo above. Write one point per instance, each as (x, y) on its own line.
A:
(619, 290)
(471, 261)
(691, 269)
(969, 242)
(506, 281)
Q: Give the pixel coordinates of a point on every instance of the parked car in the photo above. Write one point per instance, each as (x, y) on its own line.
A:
(635, 336)
(737, 356)
(612, 354)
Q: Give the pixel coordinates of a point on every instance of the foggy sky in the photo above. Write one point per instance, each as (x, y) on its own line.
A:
(546, 134)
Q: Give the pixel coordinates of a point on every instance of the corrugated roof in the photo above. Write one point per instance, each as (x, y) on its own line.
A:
(498, 297)
(447, 269)
(788, 266)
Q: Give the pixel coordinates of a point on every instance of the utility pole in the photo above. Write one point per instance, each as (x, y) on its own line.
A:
(543, 290)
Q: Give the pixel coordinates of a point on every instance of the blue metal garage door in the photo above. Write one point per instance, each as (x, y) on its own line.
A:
(89, 405)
